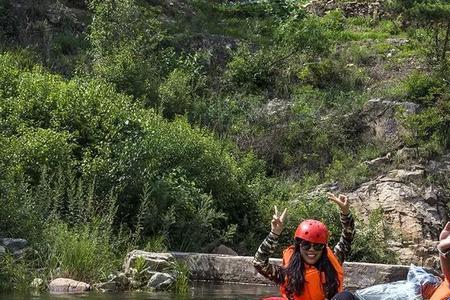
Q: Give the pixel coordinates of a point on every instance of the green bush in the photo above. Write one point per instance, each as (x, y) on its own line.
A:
(124, 37)
(430, 126)
(101, 137)
(32, 149)
(330, 73)
(181, 90)
(19, 216)
(371, 243)
(15, 274)
(250, 69)
(422, 88)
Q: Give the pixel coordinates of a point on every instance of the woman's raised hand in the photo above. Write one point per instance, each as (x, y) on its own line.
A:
(277, 223)
(341, 201)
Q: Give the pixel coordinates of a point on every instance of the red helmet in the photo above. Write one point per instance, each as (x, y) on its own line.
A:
(313, 231)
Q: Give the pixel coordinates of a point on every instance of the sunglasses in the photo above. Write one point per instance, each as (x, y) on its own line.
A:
(305, 245)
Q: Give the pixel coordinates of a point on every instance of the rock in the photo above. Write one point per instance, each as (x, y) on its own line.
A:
(116, 283)
(379, 163)
(277, 107)
(407, 154)
(160, 281)
(122, 280)
(239, 269)
(406, 176)
(379, 118)
(66, 285)
(397, 41)
(222, 249)
(373, 9)
(154, 261)
(37, 283)
(414, 209)
(15, 246)
(106, 287)
(431, 196)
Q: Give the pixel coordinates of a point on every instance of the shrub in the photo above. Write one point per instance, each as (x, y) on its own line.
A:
(181, 90)
(124, 37)
(101, 137)
(330, 73)
(371, 243)
(31, 150)
(250, 69)
(15, 273)
(20, 215)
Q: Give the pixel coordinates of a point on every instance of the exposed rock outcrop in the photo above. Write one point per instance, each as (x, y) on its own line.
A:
(160, 281)
(415, 209)
(381, 124)
(374, 9)
(153, 261)
(411, 203)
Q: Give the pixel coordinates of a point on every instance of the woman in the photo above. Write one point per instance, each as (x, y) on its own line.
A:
(310, 269)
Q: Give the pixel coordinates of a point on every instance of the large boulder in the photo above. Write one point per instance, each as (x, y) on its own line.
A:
(153, 261)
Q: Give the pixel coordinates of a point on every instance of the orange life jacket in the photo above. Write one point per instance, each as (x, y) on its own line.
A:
(314, 280)
(442, 292)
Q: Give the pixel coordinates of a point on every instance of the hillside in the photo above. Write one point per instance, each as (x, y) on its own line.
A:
(178, 125)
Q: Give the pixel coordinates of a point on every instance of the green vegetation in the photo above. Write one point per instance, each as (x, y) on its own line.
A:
(136, 123)
(434, 16)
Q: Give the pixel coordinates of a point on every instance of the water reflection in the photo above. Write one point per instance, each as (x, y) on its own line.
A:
(200, 291)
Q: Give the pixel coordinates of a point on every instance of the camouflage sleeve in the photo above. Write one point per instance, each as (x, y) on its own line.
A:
(343, 247)
(261, 259)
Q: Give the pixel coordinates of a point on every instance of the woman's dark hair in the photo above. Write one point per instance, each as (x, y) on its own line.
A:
(295, 272)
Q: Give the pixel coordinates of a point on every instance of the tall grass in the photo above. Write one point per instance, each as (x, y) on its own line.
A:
(82, 253)
(182, 273)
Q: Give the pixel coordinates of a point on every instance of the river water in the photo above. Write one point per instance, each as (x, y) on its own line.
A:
(200, 291)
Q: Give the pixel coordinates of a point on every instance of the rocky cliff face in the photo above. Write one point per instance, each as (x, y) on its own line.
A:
(411, 191)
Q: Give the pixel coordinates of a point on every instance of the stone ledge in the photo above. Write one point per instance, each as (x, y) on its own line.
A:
(239, 269)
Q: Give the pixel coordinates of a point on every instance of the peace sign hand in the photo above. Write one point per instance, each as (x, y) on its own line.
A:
(341, 201)
(277, 223)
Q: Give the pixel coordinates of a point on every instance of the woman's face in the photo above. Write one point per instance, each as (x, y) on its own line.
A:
(311, 252)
